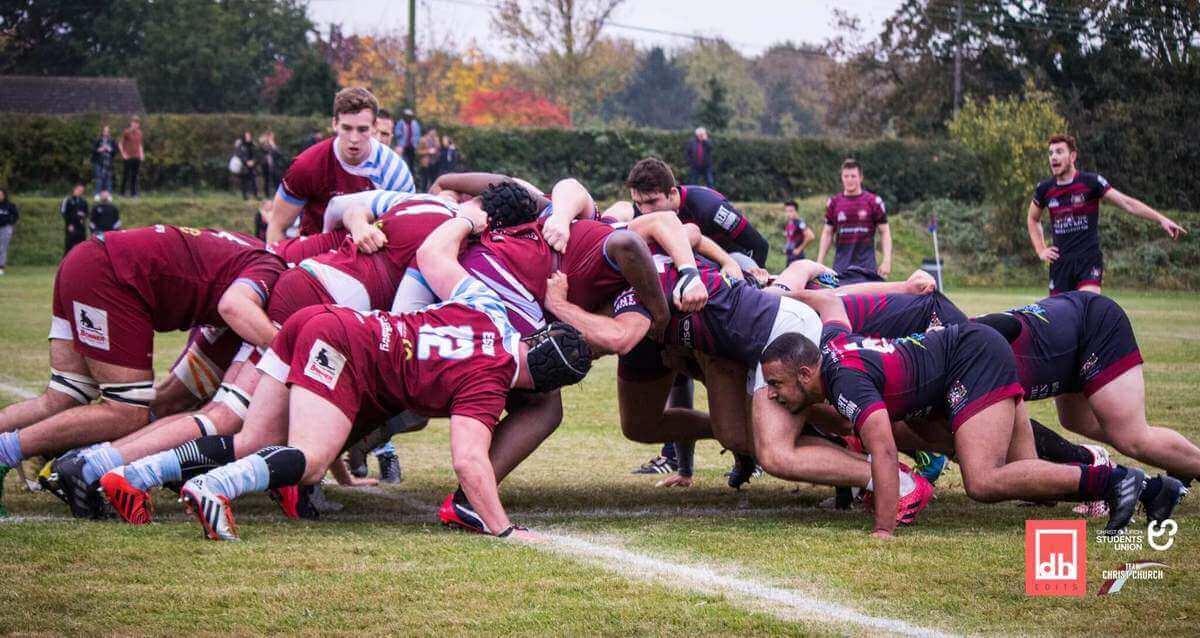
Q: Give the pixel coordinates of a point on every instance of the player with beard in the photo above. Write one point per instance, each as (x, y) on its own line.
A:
(1079, 349)
(460, 359)
(962, 378)
(110, 297)
(1073, 199)
(351, 161)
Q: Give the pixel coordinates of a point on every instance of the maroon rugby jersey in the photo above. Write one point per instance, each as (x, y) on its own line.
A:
(182, 272)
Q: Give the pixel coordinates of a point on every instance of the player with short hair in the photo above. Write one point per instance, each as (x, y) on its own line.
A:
(962, 378)
(855, 215)
(796, 233)
(351, 161)
(331, 368)
(110, 297)
(1078, 347)
(1073, 199)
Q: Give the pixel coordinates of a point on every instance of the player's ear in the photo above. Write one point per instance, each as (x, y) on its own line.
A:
(333, 122)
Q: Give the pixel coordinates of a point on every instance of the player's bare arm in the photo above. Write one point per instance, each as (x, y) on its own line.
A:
(885, 236)
(668, 232)
(877, 438)
(824, 302)
(571, 201)
(367, 236)
(1033, 220)
(632, 256)
(826, 242)
(805, 240)
(437, 258)
(605, 334)
(283, 215)
(1135, 206)
(242, 308)
(710, 249)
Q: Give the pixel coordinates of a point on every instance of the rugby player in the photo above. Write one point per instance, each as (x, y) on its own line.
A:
(351, 161)
(110, 296)
(855, 215)
(1078, 348)
(1073, 199)
(460, 359)
(963, 378)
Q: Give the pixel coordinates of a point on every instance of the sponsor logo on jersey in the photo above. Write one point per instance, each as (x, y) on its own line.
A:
(848, 408)
(1078, 198)
(91, 326)
(862, 214)
(324, 364)
(385, 334)
(1088, 369)
(725, 218)
(488, 343)
(1053, 203)
(956, 396)
(841, 216)
(624, 301)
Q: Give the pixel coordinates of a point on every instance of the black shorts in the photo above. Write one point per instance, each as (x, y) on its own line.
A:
(1107, 347)
(1069, 273)
(981, 371)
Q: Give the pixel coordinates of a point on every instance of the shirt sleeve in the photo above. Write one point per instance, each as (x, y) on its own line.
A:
(393, 173)
(854, 396)
(629, 301)
(298, 183)
(830, 217)
(717, 213)
(1100, 186)
(880, 211)
(1039, 195)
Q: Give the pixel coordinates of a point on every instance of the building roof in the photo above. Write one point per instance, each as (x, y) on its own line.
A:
(38, 94)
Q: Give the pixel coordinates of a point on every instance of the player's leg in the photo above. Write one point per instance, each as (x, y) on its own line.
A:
(1120, 409)
(643, 418)
(784, 453)
(70, 385)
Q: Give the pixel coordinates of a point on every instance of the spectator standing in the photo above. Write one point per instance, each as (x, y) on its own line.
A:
(385, 127)
(74, 211)
(9, 215)
(247, 152)
(132, 153)
(797, 234)
(105, 216)
(261, 217)
(699, 158)
(102, 161)
(317, 136)
(854, 216)
(407, 136)
(449, 159)
(272, 162)
(429, 149)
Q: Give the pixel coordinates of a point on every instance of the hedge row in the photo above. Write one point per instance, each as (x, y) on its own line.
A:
(47, 153)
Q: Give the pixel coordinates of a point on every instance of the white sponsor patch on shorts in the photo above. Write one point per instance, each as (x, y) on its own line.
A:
(324, 364)
(91, 326)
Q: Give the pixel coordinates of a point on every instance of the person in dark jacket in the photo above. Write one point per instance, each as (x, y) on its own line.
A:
(105, 216)
(74, 211)
(272, 163)
(103, 150)
(9, 215)
(449, 159)
(247, 151)
(699, 159)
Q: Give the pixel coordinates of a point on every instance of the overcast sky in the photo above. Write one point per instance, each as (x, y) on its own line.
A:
(750, 25)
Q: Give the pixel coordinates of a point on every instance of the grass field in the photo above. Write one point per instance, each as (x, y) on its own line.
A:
(624, 558)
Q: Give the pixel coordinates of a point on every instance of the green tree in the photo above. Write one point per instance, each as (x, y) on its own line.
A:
(657, 95)
(717, 59)
(714, 111)
(1008, 139)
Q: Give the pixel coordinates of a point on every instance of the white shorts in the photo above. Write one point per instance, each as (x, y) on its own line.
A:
(794, 316)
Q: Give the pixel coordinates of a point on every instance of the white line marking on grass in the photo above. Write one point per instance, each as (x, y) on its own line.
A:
(781, 603)
(15, 390)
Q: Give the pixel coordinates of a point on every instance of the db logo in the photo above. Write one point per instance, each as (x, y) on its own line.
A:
(1155, 532)
(1056, 558)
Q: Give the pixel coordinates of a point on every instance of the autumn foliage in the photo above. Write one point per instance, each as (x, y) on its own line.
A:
(513, 107)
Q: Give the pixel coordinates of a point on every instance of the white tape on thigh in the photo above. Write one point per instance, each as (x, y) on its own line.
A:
(198, 373)
(60, 329)
(207, 427)
(139, 393)
(233, 398)
(80, 387)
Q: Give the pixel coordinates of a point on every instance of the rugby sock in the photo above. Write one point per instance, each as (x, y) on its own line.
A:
(203, 454)
(668, 452)
(1186, 480)
(100, 460)
(386, 448)
(907, 484)
(10, 449)
(1051, 446)
(685, 456)
(247, 475)
(1095, 479)
(460, 497)
(285, 465)
(154, 470)
(1153, 487)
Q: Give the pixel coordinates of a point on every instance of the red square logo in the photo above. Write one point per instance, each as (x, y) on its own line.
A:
(1056, 558)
